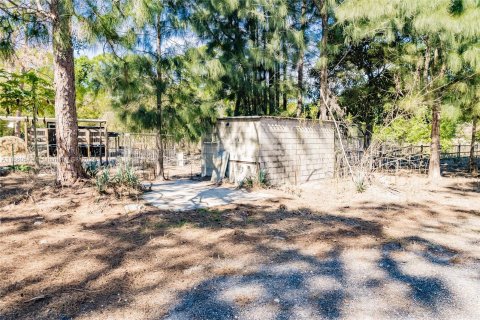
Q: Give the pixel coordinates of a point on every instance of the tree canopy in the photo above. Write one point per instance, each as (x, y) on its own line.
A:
(402, 71)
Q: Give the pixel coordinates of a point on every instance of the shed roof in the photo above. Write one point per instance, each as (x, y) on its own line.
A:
(256, 118)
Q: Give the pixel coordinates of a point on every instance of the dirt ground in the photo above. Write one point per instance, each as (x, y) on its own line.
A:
(402, 249)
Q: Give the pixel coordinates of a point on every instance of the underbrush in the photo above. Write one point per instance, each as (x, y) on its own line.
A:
(257, 181)
(119, 179)
(15, 168)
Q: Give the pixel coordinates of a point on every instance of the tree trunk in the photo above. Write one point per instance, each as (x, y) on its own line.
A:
(322, 7)
(278, 78)
(300, 86)
(434, 165)
(236, 110)
(300, 62)
(69, 165)
(473, 163)
(426, 66)
(159, 88)
(367, 138)
(271, 92)
(34, 125)
(17, 130)
(265, 92)
(284, 85)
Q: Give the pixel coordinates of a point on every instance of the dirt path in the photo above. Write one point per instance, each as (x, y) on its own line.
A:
(403, 249)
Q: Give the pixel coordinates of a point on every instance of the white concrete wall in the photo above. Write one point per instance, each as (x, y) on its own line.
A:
(239, 137)
(296, 151)
(288, 150)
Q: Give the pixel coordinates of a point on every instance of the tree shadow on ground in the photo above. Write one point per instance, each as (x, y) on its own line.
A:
(464, 188)
(429, 291)
(17, 187)
(288, 281)
(283, 286)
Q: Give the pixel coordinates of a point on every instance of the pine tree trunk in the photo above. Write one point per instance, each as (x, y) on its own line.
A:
(300, 86)
(159, 83)
(367, 138)
(265, 92)
(322, 7)
(472, 160)
(426, 67)
(301, 61)
(17, 130)
(271, 92)
(34, 126)
(69, 166)
(284, 85)
(277, 87)
(434, 165)
(236, 111)
(283, 69)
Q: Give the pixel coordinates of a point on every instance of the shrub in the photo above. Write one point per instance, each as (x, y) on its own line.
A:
(124, 176)
(360, 182)
(20, 167)
(260, 180)
(4, 172)
(102, 180)
(91, 168)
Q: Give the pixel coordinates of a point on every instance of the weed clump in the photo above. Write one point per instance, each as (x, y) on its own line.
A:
(123, 176)
(20, 168)
(256, 181)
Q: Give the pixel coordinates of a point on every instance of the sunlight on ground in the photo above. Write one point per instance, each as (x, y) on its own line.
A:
(327, 254)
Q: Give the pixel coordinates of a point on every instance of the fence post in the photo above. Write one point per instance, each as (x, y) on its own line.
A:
(13, 158)
(106, 143)
(458, 150)
(100, 142)
(47, 142)
(89, 143)
(26, 135)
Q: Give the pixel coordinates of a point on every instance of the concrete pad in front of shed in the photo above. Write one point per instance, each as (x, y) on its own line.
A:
(180, 195)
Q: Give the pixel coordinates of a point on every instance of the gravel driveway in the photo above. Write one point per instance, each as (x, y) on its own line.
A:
(398, 284)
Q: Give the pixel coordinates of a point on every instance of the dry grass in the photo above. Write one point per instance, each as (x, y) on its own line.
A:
(6, 143)
(243, 300)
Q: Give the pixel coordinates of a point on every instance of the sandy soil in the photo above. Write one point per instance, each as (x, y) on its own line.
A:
(402, 249)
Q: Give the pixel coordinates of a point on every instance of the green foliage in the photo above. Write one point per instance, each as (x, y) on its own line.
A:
(427, 55)
(91, 168)
(262, 177)
(212, 214)
(103, 180)
(360, 182)
(416, 131)
(186, 101)
(253, 44)
(258, 181)
(25, 91)
(386, 60)
(126, 176)
(20, 168)
(121, 176)
(93, 100)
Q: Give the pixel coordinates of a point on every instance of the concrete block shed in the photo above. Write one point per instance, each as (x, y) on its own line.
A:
(288, 150)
